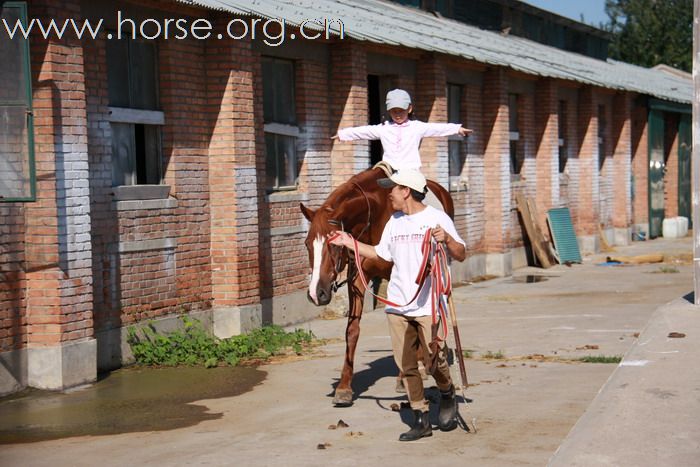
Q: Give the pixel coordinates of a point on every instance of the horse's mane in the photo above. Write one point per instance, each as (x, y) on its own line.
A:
(362, 179)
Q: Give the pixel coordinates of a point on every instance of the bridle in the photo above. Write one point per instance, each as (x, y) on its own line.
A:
(339, 265)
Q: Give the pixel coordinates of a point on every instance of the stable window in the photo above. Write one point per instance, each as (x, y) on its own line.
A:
(17, 171)
(602, 123)
(516, 154)
(563, 156)
(456, 145)
(281, 130)
(136, 122)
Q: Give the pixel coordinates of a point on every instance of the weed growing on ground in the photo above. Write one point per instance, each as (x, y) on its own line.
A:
(193, 345)
(493, 355)
(600, 359)
(468, 353)
(667, 270)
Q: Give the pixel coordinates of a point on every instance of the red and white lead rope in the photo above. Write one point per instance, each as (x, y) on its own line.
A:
(433, 263)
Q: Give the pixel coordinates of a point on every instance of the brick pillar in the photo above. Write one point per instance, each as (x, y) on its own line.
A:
(547, 152)
(640, 169)
(314, 143)
(588, 188)
(61, 350)
(431, 106)
(234, 177)
(349, 107)
(476, 189)
(497, 194)
(622, 161)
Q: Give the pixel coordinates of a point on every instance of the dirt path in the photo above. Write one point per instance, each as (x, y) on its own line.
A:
(523, 407)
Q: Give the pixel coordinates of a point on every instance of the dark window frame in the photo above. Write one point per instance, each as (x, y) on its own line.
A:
(141, 121)
(515, 148)
(280, 130)
(456, 145)
(562, 117)
(28, 108)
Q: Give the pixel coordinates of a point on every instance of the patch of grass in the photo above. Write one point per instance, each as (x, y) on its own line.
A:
(667, 270)
(494, 355)
(194, 346)
(600, 359)
(468, 353)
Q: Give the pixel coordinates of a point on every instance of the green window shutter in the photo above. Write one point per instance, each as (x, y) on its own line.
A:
(17, 170)
(565, 241)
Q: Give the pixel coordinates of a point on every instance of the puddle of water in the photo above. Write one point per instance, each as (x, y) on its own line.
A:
(528, 279)
(128, 400)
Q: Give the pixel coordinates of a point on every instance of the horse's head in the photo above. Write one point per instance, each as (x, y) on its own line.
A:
(326, 260)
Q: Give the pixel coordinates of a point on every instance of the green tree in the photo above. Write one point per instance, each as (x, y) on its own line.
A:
(650, 32)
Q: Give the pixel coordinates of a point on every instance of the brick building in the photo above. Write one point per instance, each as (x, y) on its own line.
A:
(146, 178)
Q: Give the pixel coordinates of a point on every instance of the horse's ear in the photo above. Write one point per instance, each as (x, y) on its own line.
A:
(307, 212)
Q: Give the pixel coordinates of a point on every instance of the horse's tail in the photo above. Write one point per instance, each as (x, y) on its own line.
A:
(444, 197)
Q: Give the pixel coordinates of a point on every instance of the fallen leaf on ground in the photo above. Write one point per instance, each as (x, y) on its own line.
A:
(323, 445)
(676, 335)
(395, 408)
(588, 347)
(342, 424)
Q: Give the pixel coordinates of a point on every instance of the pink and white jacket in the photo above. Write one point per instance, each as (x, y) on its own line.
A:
(400, 142)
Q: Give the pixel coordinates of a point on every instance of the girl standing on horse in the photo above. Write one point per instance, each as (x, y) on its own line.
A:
(402, 136)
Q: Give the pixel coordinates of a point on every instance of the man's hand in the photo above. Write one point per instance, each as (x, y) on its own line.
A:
(454, 248)
(440, 235)
(465, 131)
(340, 238)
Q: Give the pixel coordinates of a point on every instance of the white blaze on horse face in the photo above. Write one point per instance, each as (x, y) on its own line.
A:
(316, 273)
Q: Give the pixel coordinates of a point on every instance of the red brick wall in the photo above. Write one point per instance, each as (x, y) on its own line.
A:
(496, 161)
(57, 241)
(12, 277)
(640, 165)
(547, 141)
(134, 285)
(348, 100)
(475, 196)
(587, 148)
(606, 175)
(235, 154)
(570, 179)
(622, 158)
(431, 104)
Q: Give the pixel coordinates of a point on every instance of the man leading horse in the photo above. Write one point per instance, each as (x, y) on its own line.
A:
(411, 317)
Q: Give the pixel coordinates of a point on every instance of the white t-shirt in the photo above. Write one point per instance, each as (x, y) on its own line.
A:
(401, 243)
(400, 142)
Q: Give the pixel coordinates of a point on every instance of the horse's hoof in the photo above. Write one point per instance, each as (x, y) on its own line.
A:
(342, 398)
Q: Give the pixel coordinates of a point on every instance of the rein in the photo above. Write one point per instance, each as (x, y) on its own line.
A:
(337, 285)
(433, 265)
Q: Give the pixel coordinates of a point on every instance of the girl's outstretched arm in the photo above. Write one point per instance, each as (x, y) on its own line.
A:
(444, 129)
(359, 132)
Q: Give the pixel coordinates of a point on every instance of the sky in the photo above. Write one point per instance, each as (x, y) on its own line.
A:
(593, 10)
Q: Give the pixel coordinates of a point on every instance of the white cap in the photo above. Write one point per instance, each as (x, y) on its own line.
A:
(408, 177)
(397, 98)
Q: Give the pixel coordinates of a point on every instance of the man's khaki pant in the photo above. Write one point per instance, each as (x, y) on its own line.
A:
(407, 335)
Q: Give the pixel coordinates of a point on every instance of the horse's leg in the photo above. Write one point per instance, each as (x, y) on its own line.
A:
(356, 296)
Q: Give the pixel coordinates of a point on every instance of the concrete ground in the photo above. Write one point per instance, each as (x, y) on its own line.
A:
(524, 404)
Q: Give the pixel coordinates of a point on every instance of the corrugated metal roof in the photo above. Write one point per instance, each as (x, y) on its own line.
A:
(388, 23)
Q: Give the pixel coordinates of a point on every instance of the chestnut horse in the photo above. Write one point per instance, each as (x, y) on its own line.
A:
(361, 207)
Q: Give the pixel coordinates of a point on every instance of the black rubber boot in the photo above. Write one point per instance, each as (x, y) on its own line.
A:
(420, 429)
(447, 418)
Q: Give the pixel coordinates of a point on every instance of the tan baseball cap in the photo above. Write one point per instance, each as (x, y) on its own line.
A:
(408, 177)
